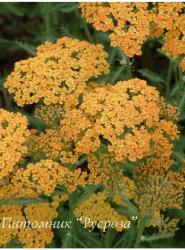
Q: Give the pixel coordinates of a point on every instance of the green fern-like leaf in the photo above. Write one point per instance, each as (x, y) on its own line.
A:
(151, 76)
(88, 191)
(13, 8)
(181, 108)
(17, 45)
(66, 8)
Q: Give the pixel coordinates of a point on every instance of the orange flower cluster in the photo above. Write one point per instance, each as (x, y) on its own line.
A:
(56, 70)
(101, 171)
(50, 144)
(37, 237)
(93, 130)
(128, 23)
(105, 122)
(126, 118)
(16, 229)
(169, 22)
(131, 24)
(99, 120)
(51, 115)
(158, 189)
(13, 134)
(9, 211)
(44, 176)
(20, 223)
(98, 209)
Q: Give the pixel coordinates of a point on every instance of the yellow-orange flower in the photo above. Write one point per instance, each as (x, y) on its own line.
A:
(97, 209)
(13, 134)
(128, 22)
(56, 71)
(158, 189)
(126, 118)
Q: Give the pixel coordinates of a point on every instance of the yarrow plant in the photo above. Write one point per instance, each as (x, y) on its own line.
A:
(104, 150)
(131, 24)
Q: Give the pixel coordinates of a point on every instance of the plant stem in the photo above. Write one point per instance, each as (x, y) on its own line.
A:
(112, 55)
(156, 237)
(118, 73)
(86, 30)
(85, 26)
(141, 226)
(180, 79)
(181, 104)
(120, 241)
(47, 20)
(6, 98)
(178, 156)
(125, 65)
(169, 75)
(129, 73)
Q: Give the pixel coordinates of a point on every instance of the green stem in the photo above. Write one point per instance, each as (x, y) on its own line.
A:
(67, 240)
(86, 30)
(47, 20)
(181, 103)
(157, 237)
(178, 88)
(6, 98)
(180, 80)
(85, 26)
(178, 156)
(81, 243)
(125, 65)
(180, 74)
(119, 242)
(112, 55)
(129, 73)
(118, 73)
(141, 226)
(169, 75)
(130, 206)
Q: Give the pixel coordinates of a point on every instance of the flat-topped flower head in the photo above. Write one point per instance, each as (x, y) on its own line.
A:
(56, 70)
(169, 22)
(126, 118)
(128, 23)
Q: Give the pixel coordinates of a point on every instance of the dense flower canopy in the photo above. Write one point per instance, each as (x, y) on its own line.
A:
(131, 24)
(124, 117)
(128, 23)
